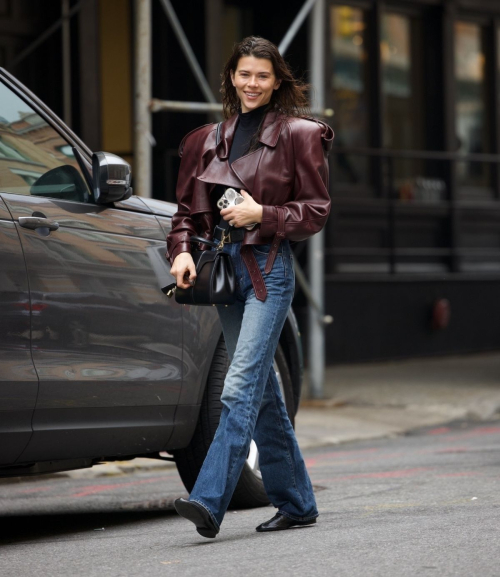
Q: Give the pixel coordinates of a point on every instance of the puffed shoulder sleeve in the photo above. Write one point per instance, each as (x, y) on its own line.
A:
(307, 212)
(183, 226)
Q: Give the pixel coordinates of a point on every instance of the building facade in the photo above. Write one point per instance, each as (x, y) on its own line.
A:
(412, 247)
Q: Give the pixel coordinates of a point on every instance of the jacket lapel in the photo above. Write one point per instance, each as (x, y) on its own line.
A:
(271, 130)
(242, 172)
(247, 166)
(218, 170)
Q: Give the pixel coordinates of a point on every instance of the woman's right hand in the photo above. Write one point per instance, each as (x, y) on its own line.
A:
(184, 270)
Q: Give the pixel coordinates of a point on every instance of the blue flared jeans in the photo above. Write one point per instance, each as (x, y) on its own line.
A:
(252, 404)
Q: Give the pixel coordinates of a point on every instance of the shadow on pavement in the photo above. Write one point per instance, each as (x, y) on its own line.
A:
(29, 526)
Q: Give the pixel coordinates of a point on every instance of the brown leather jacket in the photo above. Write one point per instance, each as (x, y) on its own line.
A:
(288, 176)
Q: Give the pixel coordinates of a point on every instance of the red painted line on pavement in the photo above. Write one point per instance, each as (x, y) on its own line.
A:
(367, 459)
(443, 450)
(93, 489)
(378, 475)
(313, 461)
(463, 474)
(475, 433)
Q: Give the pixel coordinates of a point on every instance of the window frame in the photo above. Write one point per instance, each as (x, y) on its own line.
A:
(383, 199)
(57, 126)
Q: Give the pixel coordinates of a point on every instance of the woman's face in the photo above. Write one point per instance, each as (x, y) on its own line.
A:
(254, 80)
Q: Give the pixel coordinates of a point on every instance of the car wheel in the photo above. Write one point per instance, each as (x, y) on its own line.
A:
(250, 490)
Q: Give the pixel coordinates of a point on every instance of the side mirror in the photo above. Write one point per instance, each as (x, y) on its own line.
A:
(111, 178)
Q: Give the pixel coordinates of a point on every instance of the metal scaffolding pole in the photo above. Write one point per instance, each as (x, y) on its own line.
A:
(316, 344)
(41, 39)
(142, 92)
(295, 26)
(189, 54)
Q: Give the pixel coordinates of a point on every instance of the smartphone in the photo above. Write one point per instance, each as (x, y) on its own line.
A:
(232, 197)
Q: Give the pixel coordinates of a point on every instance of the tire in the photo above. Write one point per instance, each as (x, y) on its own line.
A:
(250, 490)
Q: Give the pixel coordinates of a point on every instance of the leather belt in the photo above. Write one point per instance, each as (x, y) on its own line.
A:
(250, 261)
(258, 283)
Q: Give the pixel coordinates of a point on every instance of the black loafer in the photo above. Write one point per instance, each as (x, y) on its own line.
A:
(198, 515)
(280, 523)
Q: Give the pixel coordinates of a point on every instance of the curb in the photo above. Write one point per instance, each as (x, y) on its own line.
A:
(119, 468)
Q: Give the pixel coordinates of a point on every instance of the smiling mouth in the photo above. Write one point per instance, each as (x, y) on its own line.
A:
(252, 94)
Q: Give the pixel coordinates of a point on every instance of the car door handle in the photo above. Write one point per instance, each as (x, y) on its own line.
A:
(34, 222)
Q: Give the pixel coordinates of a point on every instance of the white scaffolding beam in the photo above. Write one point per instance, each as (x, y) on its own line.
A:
(316, 338)
(142, 99)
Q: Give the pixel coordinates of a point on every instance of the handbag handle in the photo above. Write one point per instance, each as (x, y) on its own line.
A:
(169, 290)
(199, 239)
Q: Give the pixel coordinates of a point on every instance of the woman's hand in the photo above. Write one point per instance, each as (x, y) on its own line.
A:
(184, 270)
(243, 214)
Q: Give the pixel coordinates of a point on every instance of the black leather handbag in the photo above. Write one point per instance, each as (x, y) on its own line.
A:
(215, 277)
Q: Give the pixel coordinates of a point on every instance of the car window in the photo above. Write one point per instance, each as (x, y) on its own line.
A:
(34, 158)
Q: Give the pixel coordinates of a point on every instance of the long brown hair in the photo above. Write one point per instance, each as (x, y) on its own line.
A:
(289, 99)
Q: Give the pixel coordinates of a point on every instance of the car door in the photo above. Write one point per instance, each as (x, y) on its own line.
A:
(106, 343)
(18, 380)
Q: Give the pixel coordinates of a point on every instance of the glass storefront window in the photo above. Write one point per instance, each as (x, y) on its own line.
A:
(348, 90)
(474, 178)
(415, 234)
(401, 90)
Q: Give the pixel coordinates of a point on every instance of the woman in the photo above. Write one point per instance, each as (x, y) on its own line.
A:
(277, 159)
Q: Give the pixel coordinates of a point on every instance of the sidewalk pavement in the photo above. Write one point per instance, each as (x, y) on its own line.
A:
(378, 399)
(371, 400)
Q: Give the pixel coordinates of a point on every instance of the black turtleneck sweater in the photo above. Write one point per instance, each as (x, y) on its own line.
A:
(247, 126)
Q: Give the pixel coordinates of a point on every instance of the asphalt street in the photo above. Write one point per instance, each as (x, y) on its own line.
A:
(426, 503)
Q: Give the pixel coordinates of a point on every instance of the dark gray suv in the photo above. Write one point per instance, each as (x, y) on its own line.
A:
(95, 362)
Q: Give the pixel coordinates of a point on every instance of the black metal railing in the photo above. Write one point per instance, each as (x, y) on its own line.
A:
(453, 197)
